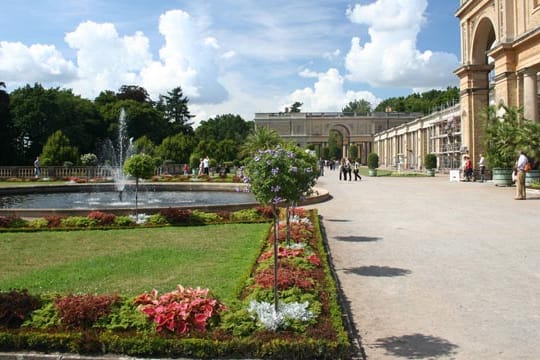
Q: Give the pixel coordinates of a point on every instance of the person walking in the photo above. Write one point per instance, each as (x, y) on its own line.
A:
(206, 166)
(356, 171)
(482, 167)
(37, 167)
(520, 176)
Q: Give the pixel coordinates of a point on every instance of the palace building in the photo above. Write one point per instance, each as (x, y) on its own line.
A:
(500, 63)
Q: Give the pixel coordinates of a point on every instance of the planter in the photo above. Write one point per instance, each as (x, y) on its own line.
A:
(502, 177)
(372, 172)
(430, 172)
(532, 175)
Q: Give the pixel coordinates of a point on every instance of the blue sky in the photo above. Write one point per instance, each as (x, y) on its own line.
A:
(234, 56)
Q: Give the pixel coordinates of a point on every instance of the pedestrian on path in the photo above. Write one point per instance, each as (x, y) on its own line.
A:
(37, 167)
(482, 167)
(520, 176)
(356, 171)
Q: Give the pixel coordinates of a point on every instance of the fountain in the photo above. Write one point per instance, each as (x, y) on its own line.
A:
(79, 199)
(114, 155)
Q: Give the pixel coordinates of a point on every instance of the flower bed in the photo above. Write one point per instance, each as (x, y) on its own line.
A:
(189, 322)
(167, 216)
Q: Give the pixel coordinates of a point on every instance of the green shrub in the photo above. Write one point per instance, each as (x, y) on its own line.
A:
(39, 223)
(246, 215)
(78, 221)
(157, 219)
(126, 316)
(430, 161)
(206, 217)
(124, 221)
(373, 160)
(44, 317)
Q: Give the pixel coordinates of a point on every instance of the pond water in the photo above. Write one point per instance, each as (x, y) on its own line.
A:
(112, 199)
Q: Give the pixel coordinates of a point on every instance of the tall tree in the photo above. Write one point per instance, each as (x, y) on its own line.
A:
(133, 92)
(175, 107)
(295, 108)
(224, 127)
(360, 106)
(177, 148)
(141, 118)
(6, 129)
(34, 112)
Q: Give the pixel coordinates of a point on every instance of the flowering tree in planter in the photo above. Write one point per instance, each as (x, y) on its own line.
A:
(139, 166)
(280, 175)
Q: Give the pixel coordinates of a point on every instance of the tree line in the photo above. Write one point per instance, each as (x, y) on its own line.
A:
(63, 127)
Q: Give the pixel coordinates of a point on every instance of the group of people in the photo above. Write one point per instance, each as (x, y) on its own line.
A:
(521, 167)
(345, 168)
(204, 166)
(468, 171)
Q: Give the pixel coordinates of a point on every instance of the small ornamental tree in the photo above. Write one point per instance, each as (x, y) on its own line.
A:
(373, 161)
(140, 166)
(280, 175)
(58, 150)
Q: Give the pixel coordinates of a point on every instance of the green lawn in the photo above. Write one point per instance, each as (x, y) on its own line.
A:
(129, 262)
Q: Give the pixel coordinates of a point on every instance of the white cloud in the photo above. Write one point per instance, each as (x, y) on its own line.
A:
(328, 94)
(332, 56)
(187, 59)
(391, 58)
(106, 60)
(23, 64)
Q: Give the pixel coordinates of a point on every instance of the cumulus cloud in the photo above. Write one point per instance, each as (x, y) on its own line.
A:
(105, 60)
(186, 60)
(328, 94)
(390, 57)
(23, 64)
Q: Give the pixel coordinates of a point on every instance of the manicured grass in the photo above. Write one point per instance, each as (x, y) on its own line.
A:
(131, 261)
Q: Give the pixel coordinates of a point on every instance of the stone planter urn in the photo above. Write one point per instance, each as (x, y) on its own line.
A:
(502, 177)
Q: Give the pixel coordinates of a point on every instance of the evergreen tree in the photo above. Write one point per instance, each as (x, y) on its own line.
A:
(58, 150)
(175, 108)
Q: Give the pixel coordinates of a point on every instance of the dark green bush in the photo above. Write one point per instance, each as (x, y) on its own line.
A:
(373, 160)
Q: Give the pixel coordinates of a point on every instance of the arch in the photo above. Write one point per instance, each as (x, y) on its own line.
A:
(483, 39)
(345, 133)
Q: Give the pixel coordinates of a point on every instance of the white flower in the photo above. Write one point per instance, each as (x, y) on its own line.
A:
(266, 313)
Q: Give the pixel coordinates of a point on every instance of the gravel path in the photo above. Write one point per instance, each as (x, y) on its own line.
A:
(433, 269)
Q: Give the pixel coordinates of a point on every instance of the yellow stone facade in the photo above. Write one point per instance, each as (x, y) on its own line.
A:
(500, 61)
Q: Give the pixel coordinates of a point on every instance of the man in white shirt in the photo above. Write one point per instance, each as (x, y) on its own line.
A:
(482, 166)
(520, 179)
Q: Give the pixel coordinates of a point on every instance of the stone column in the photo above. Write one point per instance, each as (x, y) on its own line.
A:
(530, 95)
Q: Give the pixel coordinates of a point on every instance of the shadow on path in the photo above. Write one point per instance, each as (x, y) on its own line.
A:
(417, 346)
(357, 238)
(382, 271)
